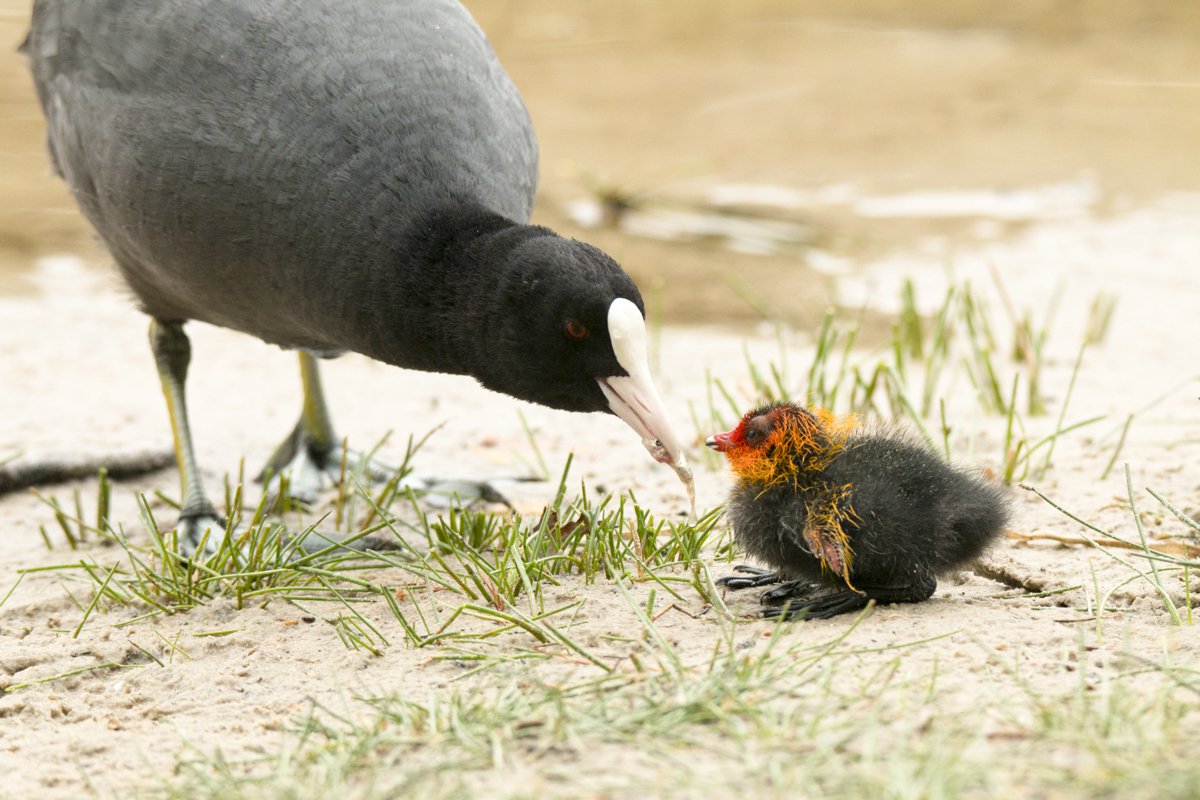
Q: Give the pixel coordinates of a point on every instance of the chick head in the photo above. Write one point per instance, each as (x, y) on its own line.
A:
(783, 443)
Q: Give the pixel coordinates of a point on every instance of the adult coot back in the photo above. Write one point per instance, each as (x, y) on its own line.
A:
(330, 176)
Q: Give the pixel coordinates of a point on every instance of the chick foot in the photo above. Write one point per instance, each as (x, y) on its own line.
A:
(823, 607)
(748, 577)
(788, 590)
(802, 606)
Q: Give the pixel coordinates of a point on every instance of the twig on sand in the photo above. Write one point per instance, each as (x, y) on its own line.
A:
(1171, 548)
(1005, 574)
(22, 474)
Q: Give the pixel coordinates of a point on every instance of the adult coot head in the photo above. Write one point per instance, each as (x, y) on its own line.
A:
(566, 328)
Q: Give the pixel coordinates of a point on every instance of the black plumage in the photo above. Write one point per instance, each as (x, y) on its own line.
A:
(845, 514)
(330, 176)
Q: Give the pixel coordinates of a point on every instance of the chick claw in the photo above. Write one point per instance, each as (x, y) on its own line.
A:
(824, 607)
(789, 590)
(750, 577)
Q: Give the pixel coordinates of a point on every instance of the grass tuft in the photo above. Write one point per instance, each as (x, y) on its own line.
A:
(1160, 558)
(910, 376)
(453, 570)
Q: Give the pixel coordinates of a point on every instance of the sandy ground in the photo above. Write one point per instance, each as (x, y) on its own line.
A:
(78, 378)
(640, 103)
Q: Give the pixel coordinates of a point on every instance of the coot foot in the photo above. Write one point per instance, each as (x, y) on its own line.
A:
(201, 532)
(311, 456)
(303, 470)
(303, 466)
(450, 492)
(748, 577)
(202, 537)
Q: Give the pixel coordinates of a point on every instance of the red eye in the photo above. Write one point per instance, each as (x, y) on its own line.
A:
(576, 329)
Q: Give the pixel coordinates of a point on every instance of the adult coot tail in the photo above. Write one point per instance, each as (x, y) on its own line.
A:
(330, 176)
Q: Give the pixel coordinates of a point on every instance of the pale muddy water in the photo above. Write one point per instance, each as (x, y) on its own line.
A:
(738, 157)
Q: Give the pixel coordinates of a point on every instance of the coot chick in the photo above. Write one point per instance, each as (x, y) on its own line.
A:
(331, 176)
(867, 513)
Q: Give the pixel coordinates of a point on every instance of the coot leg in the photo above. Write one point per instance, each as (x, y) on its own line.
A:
(201, 530)
(748, 577)
(199, 527)
(311, 456)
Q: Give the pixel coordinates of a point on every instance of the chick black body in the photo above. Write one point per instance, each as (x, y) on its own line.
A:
(870, 513)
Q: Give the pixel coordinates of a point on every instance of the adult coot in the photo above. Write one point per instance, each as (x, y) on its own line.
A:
(848, 514)
(330, 176)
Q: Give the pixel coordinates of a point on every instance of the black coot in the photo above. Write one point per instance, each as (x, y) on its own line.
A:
(846, 514)
(330, 176)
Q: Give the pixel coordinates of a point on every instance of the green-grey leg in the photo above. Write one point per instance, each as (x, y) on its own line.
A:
(200, 528)
(314, 416)
(311, 455)
(198, 518)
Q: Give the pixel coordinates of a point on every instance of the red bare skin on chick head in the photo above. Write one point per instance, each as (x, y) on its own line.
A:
(783, 443)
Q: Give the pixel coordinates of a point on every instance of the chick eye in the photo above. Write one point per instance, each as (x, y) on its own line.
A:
(576, 329)
(753, 435)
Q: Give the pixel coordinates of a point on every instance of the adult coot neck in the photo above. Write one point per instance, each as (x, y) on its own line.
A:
(441, 296)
